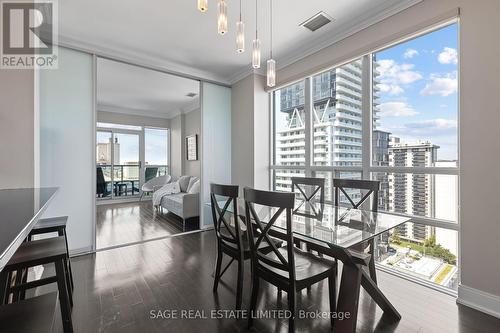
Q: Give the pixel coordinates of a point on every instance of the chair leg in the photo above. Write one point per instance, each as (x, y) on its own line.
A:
(292, 306)
(16, 295)
(64, 299)
(239, 287)
(253, 301)
(218, 264)
(332, 290)
(69, 273)
(140, 198)
(371, 265)
(3, 286)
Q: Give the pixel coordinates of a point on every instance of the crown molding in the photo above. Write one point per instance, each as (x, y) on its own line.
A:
(140, 59)
(306, 49)
(245, 72)
(317, 44)
(365, 21)
(137, 112)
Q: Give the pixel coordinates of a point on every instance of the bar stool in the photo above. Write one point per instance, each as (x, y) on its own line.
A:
(36, 314)
(40, 252)
(52, 225)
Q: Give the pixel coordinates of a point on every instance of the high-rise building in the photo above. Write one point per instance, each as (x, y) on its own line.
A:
(412, 193)
(380, 157)
(337, 122)
(104, 152)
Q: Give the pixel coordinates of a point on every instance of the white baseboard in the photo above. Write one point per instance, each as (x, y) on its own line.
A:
(80, 251)
(479, 300)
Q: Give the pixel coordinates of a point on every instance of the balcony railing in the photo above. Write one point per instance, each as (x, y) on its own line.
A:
(123, 179)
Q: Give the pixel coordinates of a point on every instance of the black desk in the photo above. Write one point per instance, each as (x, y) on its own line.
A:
(20, 210)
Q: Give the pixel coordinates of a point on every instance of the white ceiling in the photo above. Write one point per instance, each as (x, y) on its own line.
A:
(175, 35)
(130, 89)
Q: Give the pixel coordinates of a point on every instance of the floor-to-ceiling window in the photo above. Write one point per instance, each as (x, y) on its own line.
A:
(120, 170)
(390, 116)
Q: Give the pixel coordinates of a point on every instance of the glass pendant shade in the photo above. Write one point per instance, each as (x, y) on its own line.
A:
(240, 37)
(256, 53)
(271, 73)
(222, 17)
(202, 5)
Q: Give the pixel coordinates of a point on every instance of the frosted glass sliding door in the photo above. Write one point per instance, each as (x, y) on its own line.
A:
(216, 141)
(66, 143)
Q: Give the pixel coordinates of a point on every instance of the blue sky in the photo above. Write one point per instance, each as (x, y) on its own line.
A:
(418, 90)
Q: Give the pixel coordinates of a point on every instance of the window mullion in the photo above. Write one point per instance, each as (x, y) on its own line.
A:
(308, 126)
(367, 116)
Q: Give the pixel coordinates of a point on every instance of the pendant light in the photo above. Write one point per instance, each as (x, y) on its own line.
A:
(222, 17)
(202, 5)
(256, 43)
(240, 35)
(271, 64)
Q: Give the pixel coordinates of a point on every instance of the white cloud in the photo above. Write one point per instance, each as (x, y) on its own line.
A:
(448, 56)
(397, 109)
(441, 85)
(410, 53)
(391, 89)
(434, 124)
(429, 129)
(393, 75)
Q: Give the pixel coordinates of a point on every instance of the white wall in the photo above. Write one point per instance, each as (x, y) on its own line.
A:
(177, 155)
(67, 157)
(16, 128)
(129, 119)
(242, 113)
(479, 119)
(192, 125)
(250, 133)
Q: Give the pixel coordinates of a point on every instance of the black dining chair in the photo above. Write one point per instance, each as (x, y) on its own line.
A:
(312, 191)
(288, 268)
(232, 239)
(367, 188)
(101, 186)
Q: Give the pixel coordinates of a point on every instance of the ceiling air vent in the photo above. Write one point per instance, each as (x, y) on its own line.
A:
(317, 21)
(191, 94)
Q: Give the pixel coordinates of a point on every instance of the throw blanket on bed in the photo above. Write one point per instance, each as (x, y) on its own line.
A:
(170, 188)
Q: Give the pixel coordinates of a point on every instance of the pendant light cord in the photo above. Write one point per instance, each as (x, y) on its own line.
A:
(256, 19)
(271, 5)
(240, 10)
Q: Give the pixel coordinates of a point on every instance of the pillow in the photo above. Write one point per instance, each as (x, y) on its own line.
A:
(184, 182)
(195, 188)
(191, 182)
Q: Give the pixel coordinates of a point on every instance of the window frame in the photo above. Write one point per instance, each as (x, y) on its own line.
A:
(367, 168)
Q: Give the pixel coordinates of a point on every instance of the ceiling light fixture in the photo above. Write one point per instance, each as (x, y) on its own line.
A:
(271, 64)
(222, 17)
(202, 5)
(240, 35)
(256, 42)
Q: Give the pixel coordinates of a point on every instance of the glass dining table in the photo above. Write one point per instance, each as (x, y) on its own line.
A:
(337, 232)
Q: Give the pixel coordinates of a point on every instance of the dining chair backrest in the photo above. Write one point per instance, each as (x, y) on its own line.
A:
(150, 173)
(101, 182)
(227, 234)
(370, 187)
(284, 203)
(309, 188)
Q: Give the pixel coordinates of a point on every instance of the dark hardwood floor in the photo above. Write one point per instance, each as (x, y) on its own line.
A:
(115, 290)
(125, 223)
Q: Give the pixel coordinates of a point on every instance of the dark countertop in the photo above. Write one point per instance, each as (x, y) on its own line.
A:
(20, 209)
